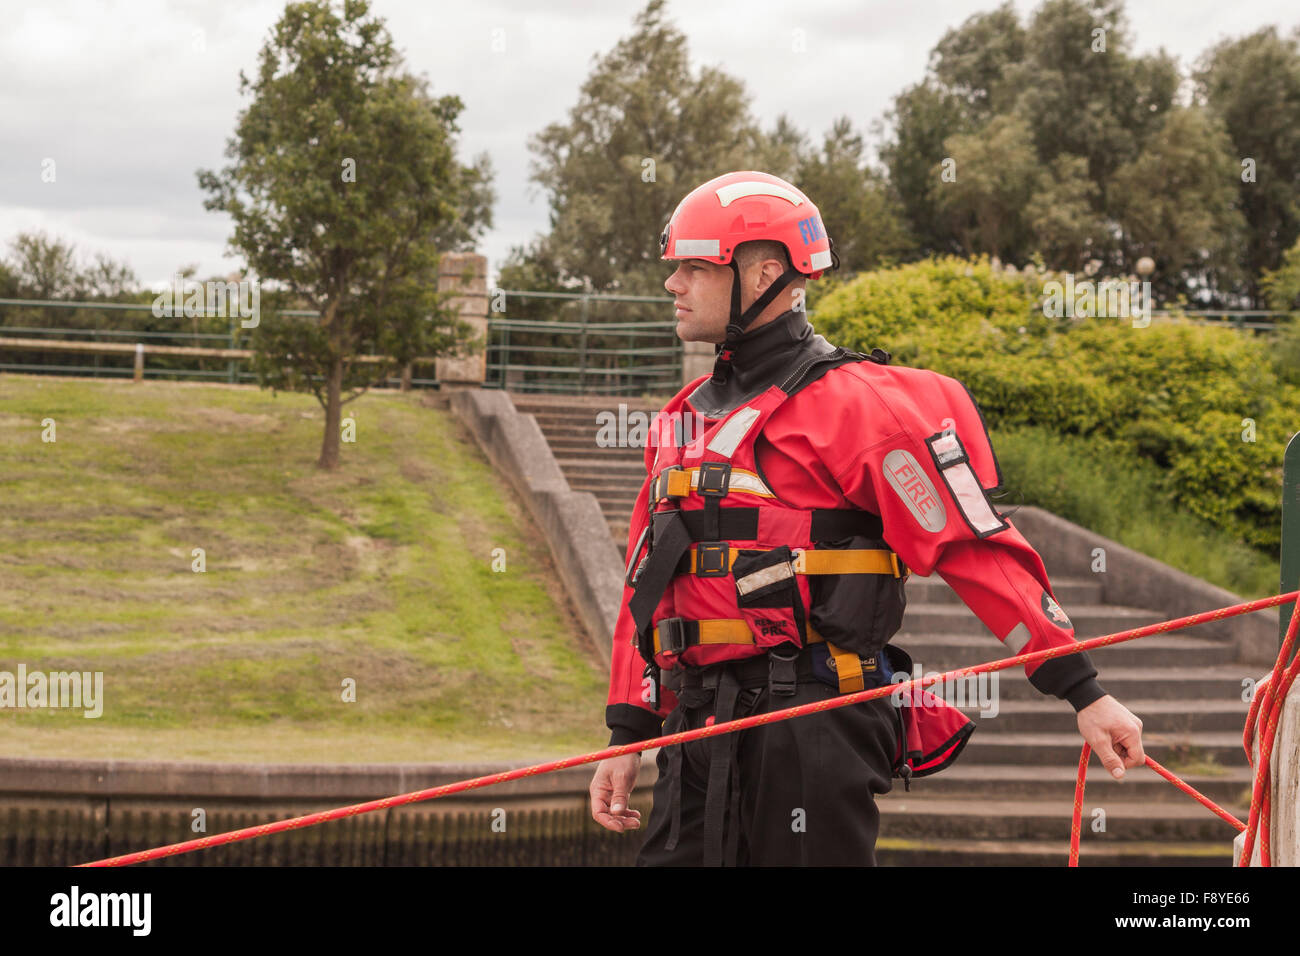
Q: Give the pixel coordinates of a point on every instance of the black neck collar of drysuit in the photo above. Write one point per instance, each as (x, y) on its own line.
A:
(764, 357)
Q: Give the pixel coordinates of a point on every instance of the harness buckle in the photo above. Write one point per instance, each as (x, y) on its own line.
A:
(782, 675)
(672, 635)
(712, 559)
(714, 478)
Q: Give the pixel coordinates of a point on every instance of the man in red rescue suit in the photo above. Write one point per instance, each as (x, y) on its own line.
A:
(788, 496)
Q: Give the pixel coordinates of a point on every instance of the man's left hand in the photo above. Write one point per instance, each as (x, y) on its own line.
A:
(1114, 733)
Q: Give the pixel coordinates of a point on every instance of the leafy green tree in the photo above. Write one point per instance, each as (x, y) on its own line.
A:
(645, 131)
(1081, 91)
(1176, 203)
(342, 185)
(972, 61)
(861, 213)
(921, 118)
(1253, 85)
(994, 175)
(1062, 218)
(45, 267)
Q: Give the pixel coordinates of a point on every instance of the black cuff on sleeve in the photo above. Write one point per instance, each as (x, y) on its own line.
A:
(629, 724)
(1062, 676)
(1085, 693)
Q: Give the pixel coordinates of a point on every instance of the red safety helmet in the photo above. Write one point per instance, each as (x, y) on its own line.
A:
(748, 206)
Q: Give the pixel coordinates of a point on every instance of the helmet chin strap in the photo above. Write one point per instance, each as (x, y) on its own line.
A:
(740, 321)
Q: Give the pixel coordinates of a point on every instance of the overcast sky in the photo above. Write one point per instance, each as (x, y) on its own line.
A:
(129, 98)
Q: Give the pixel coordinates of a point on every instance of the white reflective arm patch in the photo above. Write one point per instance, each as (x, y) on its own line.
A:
(820, 260)
(696, 247)
(730, 193)
(732, 431)
(954, 467)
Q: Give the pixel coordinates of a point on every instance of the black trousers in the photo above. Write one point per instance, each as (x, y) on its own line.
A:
(807, 786)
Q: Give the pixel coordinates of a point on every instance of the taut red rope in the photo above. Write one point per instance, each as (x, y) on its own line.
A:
(845, 700)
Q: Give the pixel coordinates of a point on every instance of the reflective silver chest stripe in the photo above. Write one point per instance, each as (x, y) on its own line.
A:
(740, 480)
(954, 466)
(1017, 638)
(732, 431)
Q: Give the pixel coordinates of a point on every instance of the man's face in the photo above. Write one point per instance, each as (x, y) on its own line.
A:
(702, 291)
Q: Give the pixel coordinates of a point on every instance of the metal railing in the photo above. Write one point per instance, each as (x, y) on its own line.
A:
(552, 342)
(579, 348)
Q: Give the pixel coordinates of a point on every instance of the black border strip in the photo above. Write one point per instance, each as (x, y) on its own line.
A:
(964, 459)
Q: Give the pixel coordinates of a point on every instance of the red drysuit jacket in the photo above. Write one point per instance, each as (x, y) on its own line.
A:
(839, 443)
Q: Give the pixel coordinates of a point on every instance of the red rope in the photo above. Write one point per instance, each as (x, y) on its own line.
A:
(1270, 695)
(844, 700)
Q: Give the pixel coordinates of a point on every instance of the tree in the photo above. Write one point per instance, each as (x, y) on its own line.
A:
(922, 117)
(1253, 86)
(342, 184)
(644, 132)
(994, 176)
(860, 212)
(45, 267)
(1176, 203)
(1061, 217)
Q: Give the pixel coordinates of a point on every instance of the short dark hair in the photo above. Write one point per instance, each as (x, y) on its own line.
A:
(757, 250)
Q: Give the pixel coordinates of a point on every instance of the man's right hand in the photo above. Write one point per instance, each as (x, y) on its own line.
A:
(610, 789)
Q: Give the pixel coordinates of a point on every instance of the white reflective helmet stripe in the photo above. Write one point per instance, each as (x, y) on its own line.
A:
(730, 193)
(696, 247)
(820, 260)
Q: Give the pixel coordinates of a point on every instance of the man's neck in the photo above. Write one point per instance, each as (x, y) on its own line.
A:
(764, 356)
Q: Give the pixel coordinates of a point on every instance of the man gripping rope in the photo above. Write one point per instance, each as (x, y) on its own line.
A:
(768, 555)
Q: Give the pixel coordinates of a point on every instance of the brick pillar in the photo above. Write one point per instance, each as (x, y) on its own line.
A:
(465, 273)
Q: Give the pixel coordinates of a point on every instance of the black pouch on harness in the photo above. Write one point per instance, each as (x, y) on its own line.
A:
(858, 612)
(767, 593)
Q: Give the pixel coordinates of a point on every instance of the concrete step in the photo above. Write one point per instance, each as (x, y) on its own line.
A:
(1169, 717)
(937, 818)
(616, 508)
(611, 485)
(899, 851)
(1137, 683)
(1062, 749)
(1018, 781)
(1069, 591)
(936, 651)
(1094, 619)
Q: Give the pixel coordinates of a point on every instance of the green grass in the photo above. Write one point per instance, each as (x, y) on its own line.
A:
(380, 572)
(1104, 489)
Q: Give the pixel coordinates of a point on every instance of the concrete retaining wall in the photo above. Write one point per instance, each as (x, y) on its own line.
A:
(586, 556)
(62, 812)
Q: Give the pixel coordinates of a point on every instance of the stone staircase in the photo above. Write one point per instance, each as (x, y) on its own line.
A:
(1008, 798)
